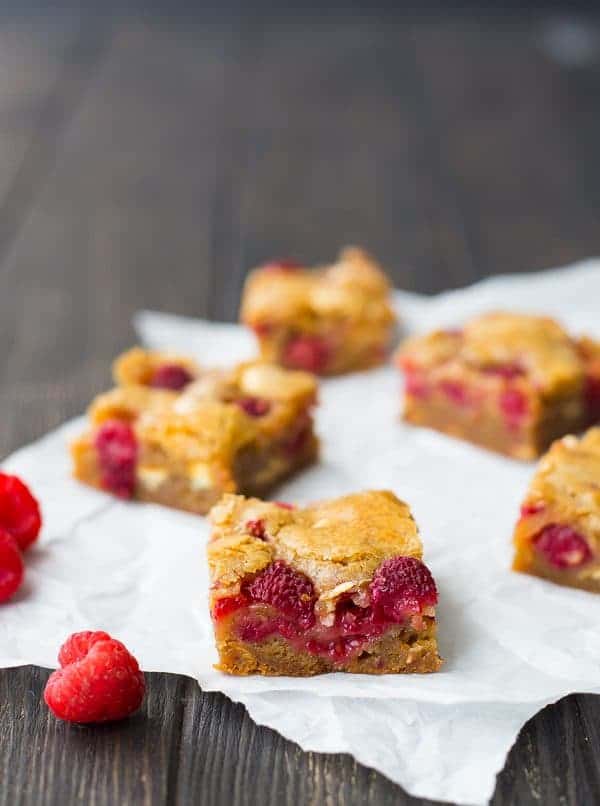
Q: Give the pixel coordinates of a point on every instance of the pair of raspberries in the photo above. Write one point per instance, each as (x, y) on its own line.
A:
(98, 679)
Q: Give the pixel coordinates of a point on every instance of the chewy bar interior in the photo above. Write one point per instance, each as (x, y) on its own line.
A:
(336, 586)
(326, 320)
(558, 534)
(508, 382)
(173, 434)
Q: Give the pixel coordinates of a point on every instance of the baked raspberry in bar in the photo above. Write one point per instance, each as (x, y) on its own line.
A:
(159, 370)
(509, 382)
(327, 320)
(336, 586)
(225, 431)
(558, 534)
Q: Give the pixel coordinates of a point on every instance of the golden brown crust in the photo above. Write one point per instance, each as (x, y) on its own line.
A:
(354, 288)
(337, 543)
(129, 402)
(565, 490)
(137, 366)
(539, 344)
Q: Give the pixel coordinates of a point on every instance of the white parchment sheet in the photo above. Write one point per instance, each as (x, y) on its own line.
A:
(512, 643)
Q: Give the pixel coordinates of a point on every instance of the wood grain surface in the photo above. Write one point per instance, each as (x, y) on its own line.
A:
(148, 160)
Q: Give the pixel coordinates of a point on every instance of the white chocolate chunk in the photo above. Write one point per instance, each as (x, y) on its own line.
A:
(151, 477)
(200, 476)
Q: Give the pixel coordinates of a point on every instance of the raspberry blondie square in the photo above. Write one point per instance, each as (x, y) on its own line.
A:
(243, 429)
(509, 382)
(558, 534)
(336, 586)
(327, 320)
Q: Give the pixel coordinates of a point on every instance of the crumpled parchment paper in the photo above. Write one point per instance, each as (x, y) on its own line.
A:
(512, 643)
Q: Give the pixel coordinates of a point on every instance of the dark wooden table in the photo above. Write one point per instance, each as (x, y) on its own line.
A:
(149, 160)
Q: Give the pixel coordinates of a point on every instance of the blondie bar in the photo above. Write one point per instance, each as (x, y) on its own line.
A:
(558, 534)
(327, 320)
(185, 444)
(336, 586)
(509, 382)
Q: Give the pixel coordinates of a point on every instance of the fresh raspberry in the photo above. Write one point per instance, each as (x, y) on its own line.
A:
(514, 406)
(562, 546)
(99, 680)
(77, 646)
(402, 585)
(117, 455)
(171, 376)
(11, 566)
(310, 353)
(228, 604)
(287, 264)
(257, 529)
(19, 511)
(290, 591)
(254, 406)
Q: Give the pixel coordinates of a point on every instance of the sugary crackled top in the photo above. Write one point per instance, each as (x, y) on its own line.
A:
(204, 421)
(353, 288)
(135, 368)
(537, 344)
(338, 543)
(569, 475)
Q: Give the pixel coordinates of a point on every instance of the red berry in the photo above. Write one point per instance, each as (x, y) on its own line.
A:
(262, 329)
(456, 392)
(11, 566)
(415, 384)
(282, 265)
(257, 529)
(79, 644)
(562, 546)
(19, 511)
(532, 509)
(171, 376)
(507, 371)
(297, 442)
(402, 585)
(254, 406)
(228, 604)
(99, 680)
(592, 397)
(117, 455)
(310, 353)
(286, 589)
(514, 406)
